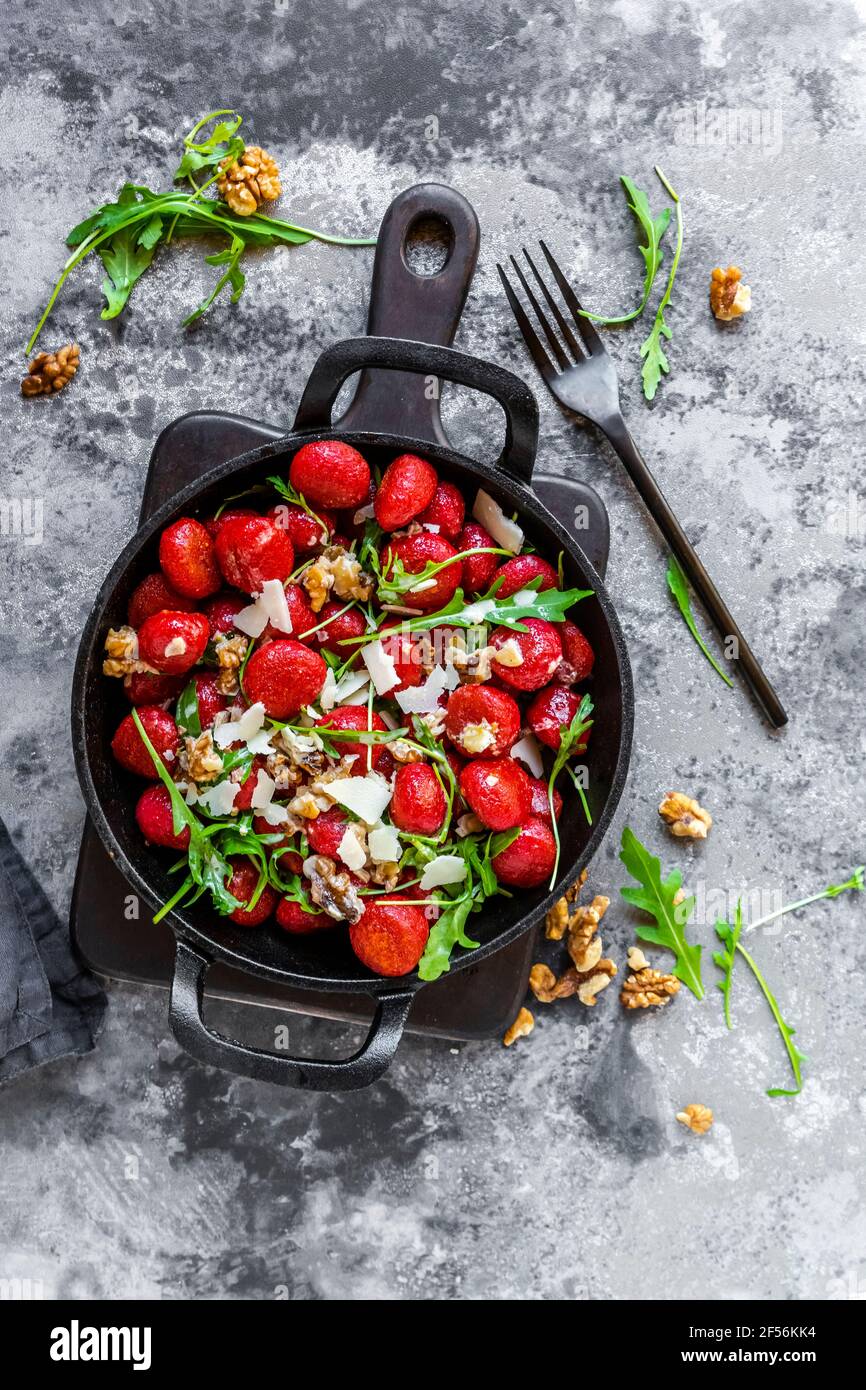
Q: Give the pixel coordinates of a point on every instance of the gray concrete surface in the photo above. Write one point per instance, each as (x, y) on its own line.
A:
(555, 1169)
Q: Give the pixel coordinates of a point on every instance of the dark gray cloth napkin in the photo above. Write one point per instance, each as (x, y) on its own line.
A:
(50, 1005)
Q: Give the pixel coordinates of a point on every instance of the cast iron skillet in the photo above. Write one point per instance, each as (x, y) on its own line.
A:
(392, 413)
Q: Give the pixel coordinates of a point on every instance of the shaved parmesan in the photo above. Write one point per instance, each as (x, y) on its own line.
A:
(383, 672)
(358, 697)
(528, 751)
(176, 647)
(388, 719)
(432, 527)
(350, 849)
(275, 814)
(240, 730)
(366, 797)
(448, 868)
(504, 531)
(423, 699)
(261, 743)
(263, 792)
(477, 612)
(328, 692)
(273, 600)
(252, 620)
(383, 843)
(422, 585)
(525, 597)
(363, 514)
(220, 798)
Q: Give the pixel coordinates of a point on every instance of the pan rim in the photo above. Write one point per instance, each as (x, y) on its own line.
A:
(526, 501)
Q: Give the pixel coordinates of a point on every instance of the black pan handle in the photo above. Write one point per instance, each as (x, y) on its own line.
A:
(404, 304)
(367, 1065)
(337, 363)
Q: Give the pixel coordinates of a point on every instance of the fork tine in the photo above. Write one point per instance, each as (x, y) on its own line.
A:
(530, 337)
(555, 345)
(566, 332)
(585, 326)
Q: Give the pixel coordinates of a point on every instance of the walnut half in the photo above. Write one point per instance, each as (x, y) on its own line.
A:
(520, 1028)
(729, 299)
(697, 1118)
(684, 817)
(648, 989)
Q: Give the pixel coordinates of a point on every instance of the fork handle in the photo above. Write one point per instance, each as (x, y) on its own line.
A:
(662, 513)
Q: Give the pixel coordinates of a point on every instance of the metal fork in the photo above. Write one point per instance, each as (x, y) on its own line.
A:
(579, 373)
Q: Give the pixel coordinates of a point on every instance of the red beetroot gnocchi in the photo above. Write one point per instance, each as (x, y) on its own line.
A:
(188, 559)
(531, 657)
(251, 550)
(530, 859)
(446, 511)
(418, 804)
(326, 831)
(552, 709)
(128, 746)
(578, 657)
(414, 552)
(173, 642)
(498, 791)
(331, 474)
(390, 937)
(354, 717)
(478, 570)
(298, 920)
(307, 533)
(284, 676)
(408, 486)
(156, 821)
(151, 596)
(242, 885)
(481, 720)
(142, 688)
(520, 571)
(540, 803)
(341, 622)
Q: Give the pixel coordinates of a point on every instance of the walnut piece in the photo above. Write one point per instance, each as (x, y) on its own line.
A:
(685, 817)
(305, 751)
(584, 946)
(648, 988)
(520, 1028)
(597, 980)
(247, 183)
(199, 758)
(547, 988)
(332, 890)
(283, 771)
(49, 372)
(403, 752)
(697, 1118)
(729, 299)
(122, 659)
(230, 652)
(556, 921)
(636, 959)
(336, 569)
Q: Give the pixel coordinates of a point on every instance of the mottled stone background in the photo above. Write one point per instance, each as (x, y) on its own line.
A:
(555, 1169)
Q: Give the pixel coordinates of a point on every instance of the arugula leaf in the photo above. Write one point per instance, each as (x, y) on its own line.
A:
(446, 932)
(396, 580)
(678, 586)
(795, 1056)
(552, 605)
(233, 276)
(291, 494)
(222, 143)
(569, 734)
(729, 936)
(127, 255)
(656, 896)
(187, 711)
(655, 363)
(654, 229)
